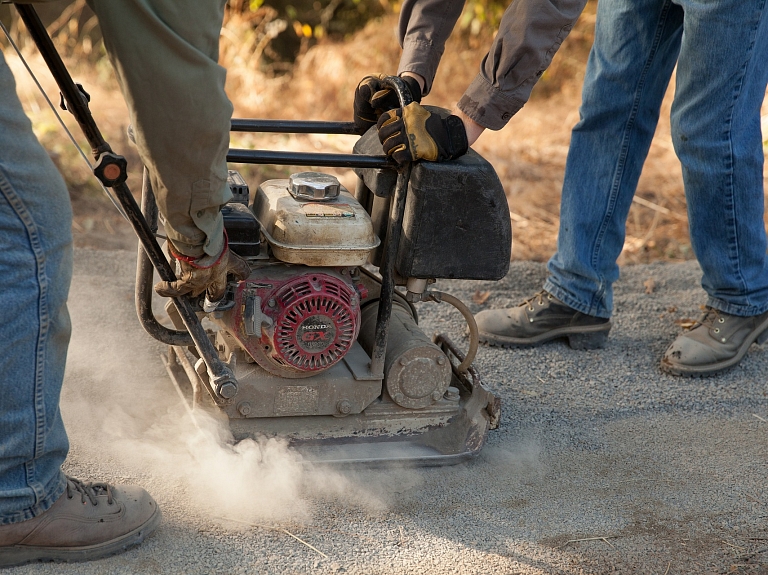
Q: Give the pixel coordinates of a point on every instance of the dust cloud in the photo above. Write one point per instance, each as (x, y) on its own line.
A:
(119, 405)
(123, 415)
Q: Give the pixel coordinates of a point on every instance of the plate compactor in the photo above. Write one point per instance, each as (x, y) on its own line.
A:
(320, 344)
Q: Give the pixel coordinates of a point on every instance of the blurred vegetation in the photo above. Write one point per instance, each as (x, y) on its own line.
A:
(265, 39)
(287, 28)
(271, 32)
(298, 24)
(276, 31)
(291, 27)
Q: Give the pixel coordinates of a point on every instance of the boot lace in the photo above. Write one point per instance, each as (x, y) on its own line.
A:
(88, 491)
(539, 298)
(711, 319)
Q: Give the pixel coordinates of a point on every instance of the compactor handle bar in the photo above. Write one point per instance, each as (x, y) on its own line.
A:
(396, 214)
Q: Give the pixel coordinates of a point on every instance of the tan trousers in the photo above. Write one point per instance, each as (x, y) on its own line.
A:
(165, 54)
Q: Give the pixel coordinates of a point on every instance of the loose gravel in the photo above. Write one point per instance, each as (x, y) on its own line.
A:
(602, 463)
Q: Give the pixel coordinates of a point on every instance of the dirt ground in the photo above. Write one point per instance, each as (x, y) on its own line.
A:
(601, 465)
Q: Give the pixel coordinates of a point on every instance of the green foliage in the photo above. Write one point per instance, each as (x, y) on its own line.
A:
(307, 21)
(482, 16)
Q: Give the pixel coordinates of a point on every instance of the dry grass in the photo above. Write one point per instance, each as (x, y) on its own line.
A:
(529, 154)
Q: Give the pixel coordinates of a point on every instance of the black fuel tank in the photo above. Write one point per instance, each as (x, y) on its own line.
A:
(456, 222)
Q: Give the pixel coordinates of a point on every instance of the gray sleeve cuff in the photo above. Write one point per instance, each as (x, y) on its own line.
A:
(421, 58)
(488, 106)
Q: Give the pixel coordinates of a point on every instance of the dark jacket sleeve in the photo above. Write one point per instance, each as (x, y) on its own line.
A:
(530, 33)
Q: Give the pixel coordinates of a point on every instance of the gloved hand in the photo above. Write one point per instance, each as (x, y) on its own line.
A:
(373, 98)
(204, 274)
(414, 133)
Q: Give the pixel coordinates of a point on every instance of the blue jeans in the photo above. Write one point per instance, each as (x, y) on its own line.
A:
(721, 51)
(36, 268)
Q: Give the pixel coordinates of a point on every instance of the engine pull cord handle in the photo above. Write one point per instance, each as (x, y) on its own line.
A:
(110, 167)
(394, 230)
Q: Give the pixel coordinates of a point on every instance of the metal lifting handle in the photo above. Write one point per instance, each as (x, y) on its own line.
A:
(144, 291)
(293, 126)
(397, 211)
(327, 160)
(112, 173)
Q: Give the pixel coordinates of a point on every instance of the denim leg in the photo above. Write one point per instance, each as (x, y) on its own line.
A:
(36, 268)
(632, 58)
(716, 133)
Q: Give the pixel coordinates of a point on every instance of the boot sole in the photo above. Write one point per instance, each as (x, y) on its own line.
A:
(21, 554)
(703, 371)
(585, 338)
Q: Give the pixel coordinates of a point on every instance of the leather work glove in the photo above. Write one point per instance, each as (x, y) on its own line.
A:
(414, 133)
(204, 274)
(373, 98)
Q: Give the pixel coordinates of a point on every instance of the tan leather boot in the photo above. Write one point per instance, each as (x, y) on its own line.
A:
(716, 342)
(540, 319)
(87, 522)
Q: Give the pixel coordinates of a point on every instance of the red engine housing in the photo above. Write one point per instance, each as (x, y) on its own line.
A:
(296, 322)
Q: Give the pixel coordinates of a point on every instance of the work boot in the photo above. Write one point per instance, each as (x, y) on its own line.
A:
(88, 521)
(716, 342)
(539, 319)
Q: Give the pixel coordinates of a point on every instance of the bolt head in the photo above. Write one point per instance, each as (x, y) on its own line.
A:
(344, 406)
(436, 395)
(398, 397)
(441, 360)
(452, 393)
(244, 408)
(228, 390)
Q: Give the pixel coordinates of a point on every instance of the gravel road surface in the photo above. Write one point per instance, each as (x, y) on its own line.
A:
(602, 464)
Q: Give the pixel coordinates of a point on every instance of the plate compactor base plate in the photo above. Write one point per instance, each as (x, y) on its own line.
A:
(450, 431)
